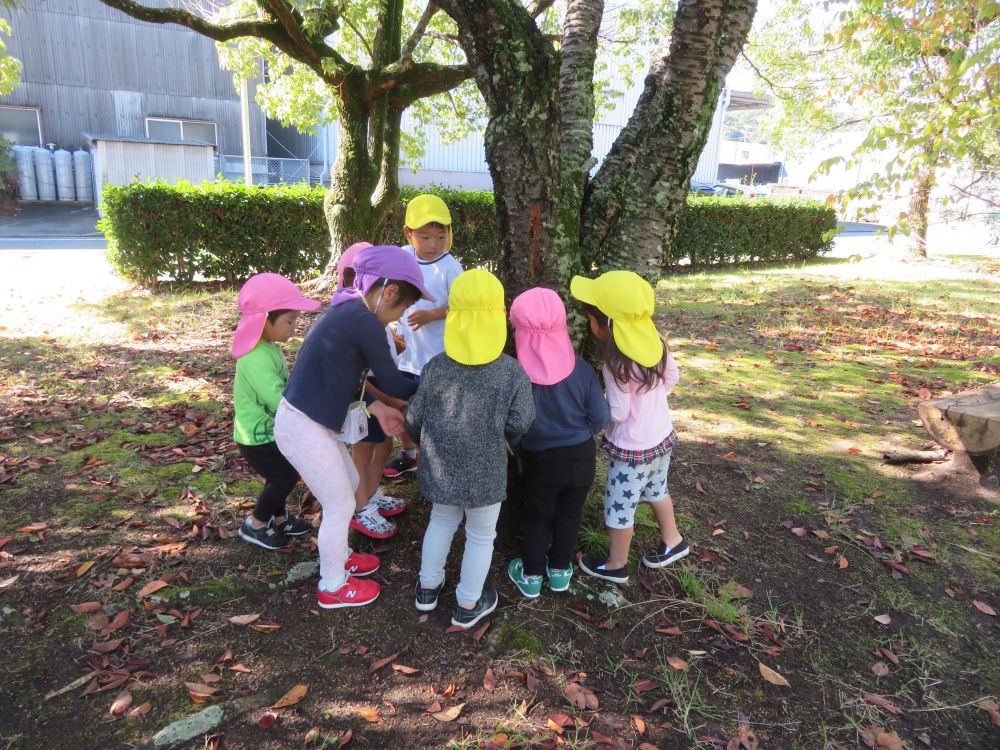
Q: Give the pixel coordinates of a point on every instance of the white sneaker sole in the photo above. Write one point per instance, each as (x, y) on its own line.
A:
(254, 540)
(480, 616)
(668, 561)
(520, 590)
(602, 576)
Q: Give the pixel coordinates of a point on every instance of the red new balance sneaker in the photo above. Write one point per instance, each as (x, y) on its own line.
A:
(360, 565)
(357, 592)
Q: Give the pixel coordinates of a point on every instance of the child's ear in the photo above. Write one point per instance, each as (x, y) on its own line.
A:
(408, 233)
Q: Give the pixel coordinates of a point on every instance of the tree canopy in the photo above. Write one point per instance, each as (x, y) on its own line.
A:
(919, 77)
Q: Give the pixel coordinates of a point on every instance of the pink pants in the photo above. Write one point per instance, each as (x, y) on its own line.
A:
(322, 460)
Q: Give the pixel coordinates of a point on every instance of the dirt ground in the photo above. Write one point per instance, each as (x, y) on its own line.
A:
(830, 602)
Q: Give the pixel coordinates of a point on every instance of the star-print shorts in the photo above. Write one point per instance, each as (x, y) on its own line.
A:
(629, 484)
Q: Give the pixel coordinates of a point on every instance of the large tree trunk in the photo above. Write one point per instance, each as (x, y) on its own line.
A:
(634, 199)
(920, 200)
(517, 71)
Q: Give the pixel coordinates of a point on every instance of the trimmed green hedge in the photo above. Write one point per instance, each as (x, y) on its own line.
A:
(226, 230)
(216, 229)
(714, 229)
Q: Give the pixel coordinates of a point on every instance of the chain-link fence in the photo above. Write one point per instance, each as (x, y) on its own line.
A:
(266, 170)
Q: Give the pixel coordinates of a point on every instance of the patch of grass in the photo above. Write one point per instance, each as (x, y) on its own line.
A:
(519, 639)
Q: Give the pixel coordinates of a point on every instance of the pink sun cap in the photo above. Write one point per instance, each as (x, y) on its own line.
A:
(347, 260)
(540, 334)
(259, 296)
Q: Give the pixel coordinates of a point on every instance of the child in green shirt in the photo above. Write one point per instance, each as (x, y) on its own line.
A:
(270, 305)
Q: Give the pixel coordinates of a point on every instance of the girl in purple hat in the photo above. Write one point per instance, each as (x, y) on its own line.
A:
(270, 305)
(322, 408)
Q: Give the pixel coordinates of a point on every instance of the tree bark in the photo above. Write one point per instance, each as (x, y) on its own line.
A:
(920, 201)
(517, 71)
(634, 199)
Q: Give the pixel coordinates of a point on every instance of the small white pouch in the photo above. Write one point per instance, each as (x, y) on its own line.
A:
(355, 427)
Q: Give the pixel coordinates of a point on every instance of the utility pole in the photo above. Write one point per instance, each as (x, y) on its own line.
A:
(247, 156)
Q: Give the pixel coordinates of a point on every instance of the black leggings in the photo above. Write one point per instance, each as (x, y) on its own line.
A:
(556, 484)
(280, 478)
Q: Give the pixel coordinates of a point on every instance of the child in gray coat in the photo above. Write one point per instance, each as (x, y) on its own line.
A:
(471, 398)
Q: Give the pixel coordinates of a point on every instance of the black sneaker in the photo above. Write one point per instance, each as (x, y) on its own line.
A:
(267, 537)
(593, 565)
(400, 465)
(665, 555)
(466, 618)
(294, 526)
(427, 599)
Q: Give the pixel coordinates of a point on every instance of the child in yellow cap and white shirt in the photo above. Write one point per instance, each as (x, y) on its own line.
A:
(427, 227)
(471, 398)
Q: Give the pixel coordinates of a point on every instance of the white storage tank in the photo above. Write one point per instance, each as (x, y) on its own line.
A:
(26, 184)
(65, 188)
(45, 174)
(84, 175)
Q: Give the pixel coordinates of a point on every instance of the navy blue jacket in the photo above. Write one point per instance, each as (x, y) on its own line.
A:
(567, 412)
(346, 340)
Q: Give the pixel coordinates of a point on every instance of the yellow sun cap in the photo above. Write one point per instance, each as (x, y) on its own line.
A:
(428, 209)
(475, 330)
(628, 301)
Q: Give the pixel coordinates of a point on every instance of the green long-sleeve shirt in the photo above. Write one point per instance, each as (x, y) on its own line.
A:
(261, 375)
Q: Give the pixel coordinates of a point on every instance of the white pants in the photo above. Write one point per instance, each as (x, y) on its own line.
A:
(480, 531)
(324, 464)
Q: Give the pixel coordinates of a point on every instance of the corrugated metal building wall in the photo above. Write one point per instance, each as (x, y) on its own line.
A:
(92, 69)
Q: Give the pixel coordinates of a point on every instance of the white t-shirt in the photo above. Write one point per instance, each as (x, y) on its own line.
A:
(428, 341)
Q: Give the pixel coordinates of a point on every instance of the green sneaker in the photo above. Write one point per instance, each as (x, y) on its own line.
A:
(559, 579)
(530, 586)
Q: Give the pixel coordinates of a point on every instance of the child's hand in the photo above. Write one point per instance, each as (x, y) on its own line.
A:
(419, 318)
(391, 420)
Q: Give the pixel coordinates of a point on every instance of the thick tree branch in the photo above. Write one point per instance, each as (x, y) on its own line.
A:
(270, 30)
(576, 86)
(432, 79)
(540, 7)
(418, 31)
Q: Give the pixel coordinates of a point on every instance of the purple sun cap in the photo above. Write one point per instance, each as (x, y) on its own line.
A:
(382, 262)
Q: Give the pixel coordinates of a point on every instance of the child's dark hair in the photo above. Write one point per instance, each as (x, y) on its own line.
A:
(273, 315)
(408, 293)
(348, 277)
(623, 368)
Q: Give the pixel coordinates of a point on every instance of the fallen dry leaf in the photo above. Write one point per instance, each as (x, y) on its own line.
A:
(369, 714)
(244, 619)
(878, 700)
(883, 619)
(985, 608)
(33, 528)
(379, 663)
(403, 669)
(643, 686)
(677, 663)
(991, 707)
(151, 588)
(880, 669)
(489, 680)
(292, 697)
(265, 627)
(145, 708)
(771, 676)
(85, 607)
(121, 703)
(879, 739)
(640, 725)
(84, 567)
(842, 562)
(449, 714)
(581, 696)
(481, 631)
